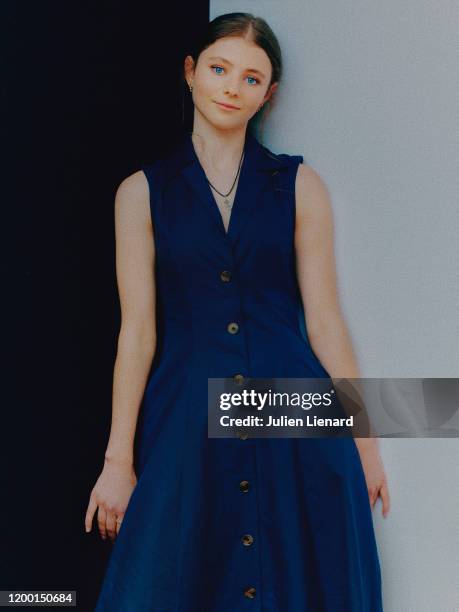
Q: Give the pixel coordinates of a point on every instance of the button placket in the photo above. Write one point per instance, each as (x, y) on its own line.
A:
(225, 276)
(246, 540)
(248, 563)
(244, 486)
(250, 592)
(233, 327)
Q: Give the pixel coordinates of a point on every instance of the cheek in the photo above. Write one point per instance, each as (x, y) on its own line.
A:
(207, 84)
(254, 96)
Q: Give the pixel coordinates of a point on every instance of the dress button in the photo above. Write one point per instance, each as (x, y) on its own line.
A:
(225, 276)
(247, 539)
(233, 328)
(250, 592)
(244, 486)
(238, 379)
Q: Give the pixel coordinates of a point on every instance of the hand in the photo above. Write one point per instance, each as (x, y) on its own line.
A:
(110, 496)
(375, 477)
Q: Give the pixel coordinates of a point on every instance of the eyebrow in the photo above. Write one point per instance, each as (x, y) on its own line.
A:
(228, 62)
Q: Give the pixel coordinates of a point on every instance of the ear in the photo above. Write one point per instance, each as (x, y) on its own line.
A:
(270, 91)
(189, 69)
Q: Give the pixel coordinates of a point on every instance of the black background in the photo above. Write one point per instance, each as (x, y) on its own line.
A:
(90, 91)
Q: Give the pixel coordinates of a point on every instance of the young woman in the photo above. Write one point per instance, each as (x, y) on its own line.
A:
(240, 241)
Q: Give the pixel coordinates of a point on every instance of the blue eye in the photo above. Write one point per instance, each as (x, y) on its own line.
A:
(216, 67)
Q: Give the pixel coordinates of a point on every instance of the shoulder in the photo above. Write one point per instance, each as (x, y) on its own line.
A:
(312, 194)
(283, 159)
(132, 197)
(134, 186)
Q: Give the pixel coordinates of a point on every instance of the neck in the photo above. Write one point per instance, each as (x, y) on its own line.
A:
(219, 149)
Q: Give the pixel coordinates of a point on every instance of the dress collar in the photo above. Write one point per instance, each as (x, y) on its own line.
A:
(258, 166)
(257, 156)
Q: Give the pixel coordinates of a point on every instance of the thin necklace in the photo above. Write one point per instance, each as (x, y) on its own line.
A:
(225, 195)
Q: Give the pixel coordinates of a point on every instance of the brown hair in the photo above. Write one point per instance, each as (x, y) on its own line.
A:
(245, 25)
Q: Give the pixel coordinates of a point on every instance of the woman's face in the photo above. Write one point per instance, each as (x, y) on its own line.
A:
(231, 71)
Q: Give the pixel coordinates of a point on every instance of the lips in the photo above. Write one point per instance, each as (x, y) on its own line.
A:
(227, 105)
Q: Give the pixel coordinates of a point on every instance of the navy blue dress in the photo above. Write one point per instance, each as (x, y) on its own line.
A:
(234, 524)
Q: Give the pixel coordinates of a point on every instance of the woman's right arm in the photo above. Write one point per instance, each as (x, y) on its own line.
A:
(136, 348)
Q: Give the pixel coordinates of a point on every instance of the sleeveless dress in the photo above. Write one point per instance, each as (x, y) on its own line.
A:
(234, 524)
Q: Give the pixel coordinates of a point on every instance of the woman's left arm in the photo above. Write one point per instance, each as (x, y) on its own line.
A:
(326, 328)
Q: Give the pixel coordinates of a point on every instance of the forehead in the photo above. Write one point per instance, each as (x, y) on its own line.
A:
(239, 51)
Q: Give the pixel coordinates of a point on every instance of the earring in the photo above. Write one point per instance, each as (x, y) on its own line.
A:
(191, 87)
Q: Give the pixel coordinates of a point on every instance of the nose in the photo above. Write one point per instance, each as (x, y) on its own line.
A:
(231, 87)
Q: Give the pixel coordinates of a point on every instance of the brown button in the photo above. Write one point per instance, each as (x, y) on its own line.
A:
(242, 435)
(244, 486)
(233, 328)
(247, 539)
(250, 592)
(238, 379)
(225, 276)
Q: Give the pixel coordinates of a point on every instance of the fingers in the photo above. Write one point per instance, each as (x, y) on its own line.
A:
(90, 514)
(113, 522)
(109, 522)
(111, 525)
(119, 520)
(384, 492)
(101, 521)
(373, 496)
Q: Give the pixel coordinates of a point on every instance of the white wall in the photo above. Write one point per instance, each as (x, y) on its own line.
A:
(370, 97)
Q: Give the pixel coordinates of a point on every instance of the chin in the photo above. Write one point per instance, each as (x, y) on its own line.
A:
(222, 125)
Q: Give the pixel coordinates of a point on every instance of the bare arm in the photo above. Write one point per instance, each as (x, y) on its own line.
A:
(137, 337)
(316, 271)
(315, 261)
(136, 348)
(327, 330)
